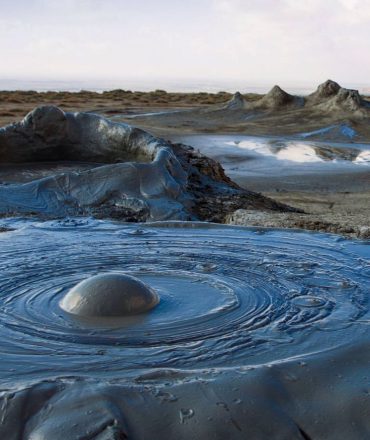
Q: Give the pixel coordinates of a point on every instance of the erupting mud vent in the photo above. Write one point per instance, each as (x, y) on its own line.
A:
(235, 303)
(109, 295)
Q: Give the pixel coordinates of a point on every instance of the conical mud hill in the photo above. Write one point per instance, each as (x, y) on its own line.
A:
(325, 90)
(319, 115)
(330, 97)
(237, 102)
(276, 99)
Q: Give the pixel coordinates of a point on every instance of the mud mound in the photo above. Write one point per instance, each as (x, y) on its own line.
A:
(348, 99)
(154, 180)
(47, 133)
(277, 98)
(276, 113)
(237, 102)
(331, 97)
(325, 90)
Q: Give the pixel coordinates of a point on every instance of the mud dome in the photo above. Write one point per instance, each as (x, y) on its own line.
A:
(48, 133)
(154, 180)
(244, 331)
(154, 189)
(109, 295)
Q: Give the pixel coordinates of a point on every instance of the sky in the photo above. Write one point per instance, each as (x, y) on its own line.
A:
(256, 41)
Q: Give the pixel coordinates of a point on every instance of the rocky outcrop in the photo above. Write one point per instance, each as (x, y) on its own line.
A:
(154, 180)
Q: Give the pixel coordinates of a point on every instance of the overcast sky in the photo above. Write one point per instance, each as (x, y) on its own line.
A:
(260, 41)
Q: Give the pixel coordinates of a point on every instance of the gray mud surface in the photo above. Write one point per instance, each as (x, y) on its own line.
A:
(334, 192)
(259, 333)
(252, 323)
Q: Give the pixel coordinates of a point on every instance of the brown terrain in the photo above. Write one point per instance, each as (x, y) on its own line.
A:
(274, 113)
(14, 105)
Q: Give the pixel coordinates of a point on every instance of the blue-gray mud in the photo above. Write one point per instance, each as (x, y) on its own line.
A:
(279, 157)
(254, 325)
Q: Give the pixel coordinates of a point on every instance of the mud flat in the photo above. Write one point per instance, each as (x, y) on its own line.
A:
(329, 181)
(310, 152)
(245, 330)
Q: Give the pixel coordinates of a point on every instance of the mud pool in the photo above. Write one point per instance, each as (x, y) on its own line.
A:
(273, 156)
(229, 297)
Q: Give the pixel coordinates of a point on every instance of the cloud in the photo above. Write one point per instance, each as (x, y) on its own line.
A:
(293, 40)
(250, 40)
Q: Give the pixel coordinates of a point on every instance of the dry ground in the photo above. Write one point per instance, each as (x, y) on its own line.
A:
(16, 104)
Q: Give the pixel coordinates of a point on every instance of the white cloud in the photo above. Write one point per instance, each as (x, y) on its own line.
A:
(308, 40)
(254, 40)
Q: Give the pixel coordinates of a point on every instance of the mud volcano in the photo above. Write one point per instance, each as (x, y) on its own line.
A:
(244, 330)
(109, 295)
(252, 325)
(141, 177)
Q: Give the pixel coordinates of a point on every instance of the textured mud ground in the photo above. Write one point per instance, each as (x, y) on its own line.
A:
(279, 332)
(338, 202)
(251, 323)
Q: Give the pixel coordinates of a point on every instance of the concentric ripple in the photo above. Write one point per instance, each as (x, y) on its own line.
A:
(229, 296)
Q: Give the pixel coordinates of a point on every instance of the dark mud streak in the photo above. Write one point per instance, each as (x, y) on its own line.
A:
(305, 436)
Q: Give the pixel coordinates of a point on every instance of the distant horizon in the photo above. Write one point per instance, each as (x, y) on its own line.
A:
(169, 85)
